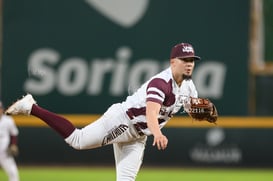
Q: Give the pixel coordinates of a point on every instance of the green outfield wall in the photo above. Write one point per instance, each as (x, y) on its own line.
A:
(233, 142)
(79, 57)
(240, 147)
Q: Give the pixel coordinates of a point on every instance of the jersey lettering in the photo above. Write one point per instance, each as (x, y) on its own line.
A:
(114, 133)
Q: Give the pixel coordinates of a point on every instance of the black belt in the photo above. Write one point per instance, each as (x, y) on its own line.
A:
(137, 126)
(138, 129)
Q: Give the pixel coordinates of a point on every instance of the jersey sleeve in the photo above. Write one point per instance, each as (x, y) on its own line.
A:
(156, 90)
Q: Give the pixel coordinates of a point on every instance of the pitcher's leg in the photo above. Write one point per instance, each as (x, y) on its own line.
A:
(128, 157)
(27, 105)
(56, 122)
(91, 136)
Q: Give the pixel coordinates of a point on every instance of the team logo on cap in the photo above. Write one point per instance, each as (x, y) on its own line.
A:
(187, 49)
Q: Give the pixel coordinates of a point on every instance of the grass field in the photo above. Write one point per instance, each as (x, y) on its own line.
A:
(56, 173)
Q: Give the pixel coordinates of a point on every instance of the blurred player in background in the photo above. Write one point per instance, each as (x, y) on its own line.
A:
(8, 145)
(126, 125)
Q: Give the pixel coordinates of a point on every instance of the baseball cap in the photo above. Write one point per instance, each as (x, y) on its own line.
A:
(183, 50)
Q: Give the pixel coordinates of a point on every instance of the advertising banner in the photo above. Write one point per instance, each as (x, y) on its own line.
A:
(207, 147)
(79, 57)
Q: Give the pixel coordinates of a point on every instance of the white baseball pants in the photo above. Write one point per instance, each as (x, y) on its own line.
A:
(114, 127)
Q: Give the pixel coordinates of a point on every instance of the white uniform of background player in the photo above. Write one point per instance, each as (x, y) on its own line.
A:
(8, 129)
(125, 124)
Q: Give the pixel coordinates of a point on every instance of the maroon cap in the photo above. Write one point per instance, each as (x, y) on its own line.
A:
(183, 50)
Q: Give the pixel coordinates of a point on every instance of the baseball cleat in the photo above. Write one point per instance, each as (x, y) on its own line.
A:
(22, 106)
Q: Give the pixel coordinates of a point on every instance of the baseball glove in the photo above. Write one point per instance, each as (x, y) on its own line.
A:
(13, 150)
(202, 109)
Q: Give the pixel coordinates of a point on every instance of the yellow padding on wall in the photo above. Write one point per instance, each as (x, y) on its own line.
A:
(178, 121)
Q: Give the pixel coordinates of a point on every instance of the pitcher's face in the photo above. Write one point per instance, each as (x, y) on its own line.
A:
(183, 67)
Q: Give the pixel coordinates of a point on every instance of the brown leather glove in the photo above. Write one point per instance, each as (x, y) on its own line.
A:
(202, 109)
(13, 150)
